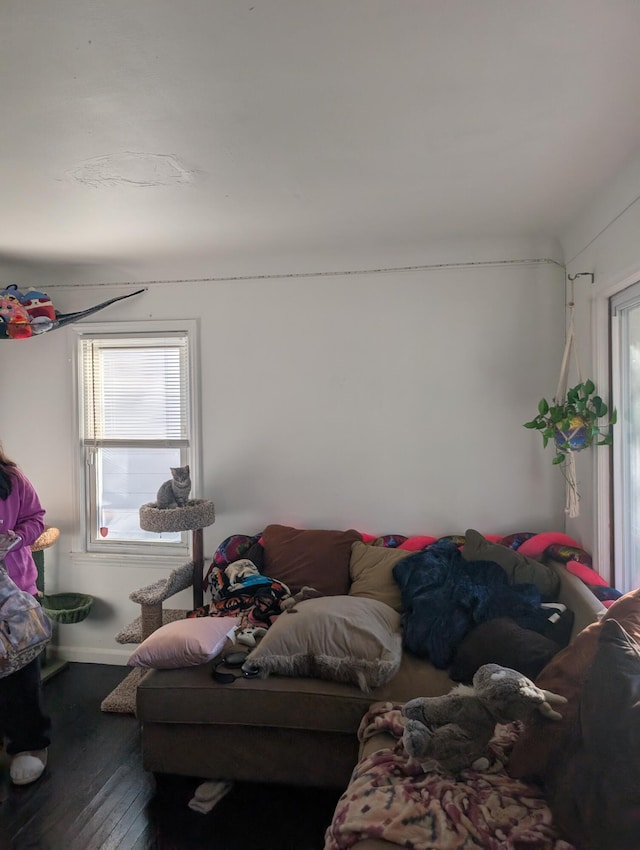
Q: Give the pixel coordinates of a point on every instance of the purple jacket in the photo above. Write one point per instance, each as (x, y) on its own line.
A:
(22, 512)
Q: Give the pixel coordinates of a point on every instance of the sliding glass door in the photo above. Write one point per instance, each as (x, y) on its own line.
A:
(625, 339)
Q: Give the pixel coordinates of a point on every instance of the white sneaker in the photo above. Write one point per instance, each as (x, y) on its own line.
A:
(28, 766)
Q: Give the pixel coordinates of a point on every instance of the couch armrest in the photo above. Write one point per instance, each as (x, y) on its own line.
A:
(578, 598)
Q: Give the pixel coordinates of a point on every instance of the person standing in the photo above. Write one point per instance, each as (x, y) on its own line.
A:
(23, 722)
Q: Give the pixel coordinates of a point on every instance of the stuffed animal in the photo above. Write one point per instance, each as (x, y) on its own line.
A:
(249, 635)
(289, 604)
(15, 317)
(454, 730)
(242, 573)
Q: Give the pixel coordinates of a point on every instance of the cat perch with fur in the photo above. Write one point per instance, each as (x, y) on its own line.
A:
(173, 510)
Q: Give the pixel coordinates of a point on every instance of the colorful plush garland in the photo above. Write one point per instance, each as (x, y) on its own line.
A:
(560, 547)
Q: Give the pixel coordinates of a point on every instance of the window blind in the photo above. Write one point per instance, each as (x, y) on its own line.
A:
(135, 391)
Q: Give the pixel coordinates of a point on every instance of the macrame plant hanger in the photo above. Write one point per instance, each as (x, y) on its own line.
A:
(572, 502)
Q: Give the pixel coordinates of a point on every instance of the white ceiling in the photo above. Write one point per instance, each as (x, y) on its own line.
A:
(249, 135)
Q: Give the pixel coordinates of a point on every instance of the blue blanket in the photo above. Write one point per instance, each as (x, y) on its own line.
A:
(444, 597)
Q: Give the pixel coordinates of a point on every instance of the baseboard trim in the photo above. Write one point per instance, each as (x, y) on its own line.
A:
(91, 655)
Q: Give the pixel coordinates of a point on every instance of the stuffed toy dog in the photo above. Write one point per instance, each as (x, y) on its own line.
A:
(454, 730)
(241, 572)
(289, 604)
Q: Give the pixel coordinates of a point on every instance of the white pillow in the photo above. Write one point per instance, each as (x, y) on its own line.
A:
(184, 643)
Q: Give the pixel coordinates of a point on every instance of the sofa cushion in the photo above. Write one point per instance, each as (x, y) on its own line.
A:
(371, 573)
(343, 638)
(540, 743)
(519, 568)
(190, 696)
(595, 792)
(312, 557)
(502, 641)
(184, 643)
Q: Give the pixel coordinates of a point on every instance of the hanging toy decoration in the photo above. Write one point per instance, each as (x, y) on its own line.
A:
(14, 317)
(23, 315)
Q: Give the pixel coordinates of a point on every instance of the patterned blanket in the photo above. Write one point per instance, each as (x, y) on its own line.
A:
(257, 601)
(392, 798)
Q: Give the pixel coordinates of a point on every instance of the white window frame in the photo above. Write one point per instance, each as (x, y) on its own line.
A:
(628, 297)
(604, 530)
(83, 331)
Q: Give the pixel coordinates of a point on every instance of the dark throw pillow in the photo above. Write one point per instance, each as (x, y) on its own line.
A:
(502, 641)
(255, 553)
(595, 790)
(312, 557)
(559, 626)
(537, 749)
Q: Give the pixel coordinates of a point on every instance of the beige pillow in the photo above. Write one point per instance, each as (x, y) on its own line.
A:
(371, 571)
(341, 638)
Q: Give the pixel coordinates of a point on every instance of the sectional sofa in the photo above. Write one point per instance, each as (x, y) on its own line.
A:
(297, 717)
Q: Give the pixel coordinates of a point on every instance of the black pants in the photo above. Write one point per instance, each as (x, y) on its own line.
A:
(22, 720)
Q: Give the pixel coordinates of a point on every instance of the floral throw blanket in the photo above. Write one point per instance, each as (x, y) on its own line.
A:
(392, 798)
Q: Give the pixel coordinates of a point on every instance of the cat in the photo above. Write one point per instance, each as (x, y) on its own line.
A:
(174, 493)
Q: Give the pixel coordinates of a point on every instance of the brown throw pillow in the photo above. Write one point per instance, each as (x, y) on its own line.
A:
(371, 570)
(595, 789)
(566, 673)
(502, 641)
(519, 568)
(315, 558)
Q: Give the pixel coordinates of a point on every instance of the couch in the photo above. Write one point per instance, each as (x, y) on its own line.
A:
(562, 785)
(300, 723)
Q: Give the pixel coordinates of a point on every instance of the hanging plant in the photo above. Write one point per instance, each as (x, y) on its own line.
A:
(575, 423)
(576, 418)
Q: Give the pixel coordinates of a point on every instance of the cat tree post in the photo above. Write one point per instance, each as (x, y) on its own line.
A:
(196, 515)
(197, 547)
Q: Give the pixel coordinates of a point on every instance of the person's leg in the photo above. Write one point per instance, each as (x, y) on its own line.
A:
(24, 722)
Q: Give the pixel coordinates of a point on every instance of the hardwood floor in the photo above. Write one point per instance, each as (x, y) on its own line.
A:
(95, 794)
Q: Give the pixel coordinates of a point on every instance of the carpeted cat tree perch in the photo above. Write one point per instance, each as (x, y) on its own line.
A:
(196, 515)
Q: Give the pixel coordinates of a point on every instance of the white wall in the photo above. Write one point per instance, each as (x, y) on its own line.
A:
(388, 402)
(603, 241)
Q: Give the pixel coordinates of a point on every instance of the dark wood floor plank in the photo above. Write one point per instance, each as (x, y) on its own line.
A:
(95, 794)
(134, 833)
(88, 775)
(111, 818)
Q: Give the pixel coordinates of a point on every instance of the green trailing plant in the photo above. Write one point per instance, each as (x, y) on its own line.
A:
(574, 423)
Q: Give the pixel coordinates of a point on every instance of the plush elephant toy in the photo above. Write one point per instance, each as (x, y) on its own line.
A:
(455, 729)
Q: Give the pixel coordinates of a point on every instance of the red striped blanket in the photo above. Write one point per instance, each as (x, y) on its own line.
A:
(390, 797)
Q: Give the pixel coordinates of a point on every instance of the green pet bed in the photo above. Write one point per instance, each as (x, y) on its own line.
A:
(67, 607)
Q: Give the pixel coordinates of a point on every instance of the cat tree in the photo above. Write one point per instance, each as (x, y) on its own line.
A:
(196, 515)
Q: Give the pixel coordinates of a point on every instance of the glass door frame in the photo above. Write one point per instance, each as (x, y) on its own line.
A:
(604, 521)
(623, 500)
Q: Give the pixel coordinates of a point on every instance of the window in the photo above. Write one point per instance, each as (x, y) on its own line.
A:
(135, 423)
(625, 338)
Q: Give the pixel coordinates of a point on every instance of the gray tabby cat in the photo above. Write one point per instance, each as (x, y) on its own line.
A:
(174, 493)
